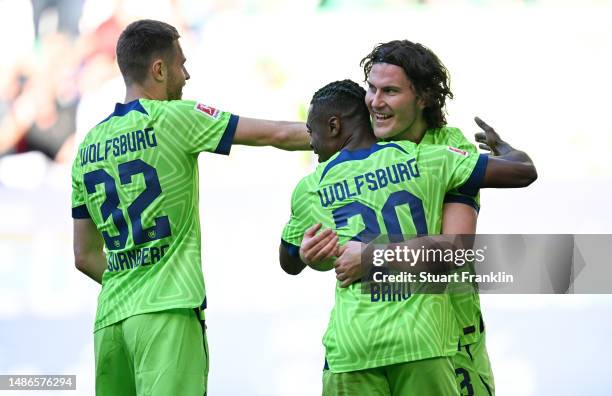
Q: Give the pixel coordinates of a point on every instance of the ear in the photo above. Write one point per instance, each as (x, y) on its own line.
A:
(334, 125)
(421, 102)
(158, 70)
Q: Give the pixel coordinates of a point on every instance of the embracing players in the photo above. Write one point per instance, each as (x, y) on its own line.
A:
(364, 189)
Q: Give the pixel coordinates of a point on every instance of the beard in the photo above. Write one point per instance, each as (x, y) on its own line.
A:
(174, 94)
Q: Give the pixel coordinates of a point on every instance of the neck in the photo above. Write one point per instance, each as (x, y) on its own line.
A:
(134, 91)
(359, 139)
(415, 133)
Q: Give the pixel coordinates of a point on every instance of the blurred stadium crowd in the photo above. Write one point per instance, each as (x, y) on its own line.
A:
(67, 56)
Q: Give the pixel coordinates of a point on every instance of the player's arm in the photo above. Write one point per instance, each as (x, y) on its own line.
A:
(290, 264)
(316, 251)
(459, 218)
(282, 134)
(507, 167)
(88, 249)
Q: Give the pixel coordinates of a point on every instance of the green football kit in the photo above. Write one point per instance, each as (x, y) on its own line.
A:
(390, 188)
(472, 366)
(136, 177)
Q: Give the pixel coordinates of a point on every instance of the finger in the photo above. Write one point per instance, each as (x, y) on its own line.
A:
(485, 147)
(314, 240)
(317, 250)
(328, 250)
(312, 230)
(311, 247)
(337, 250)
(342, 249)
(346, 283)
(341, 276)
(483, 125)
(480, 137)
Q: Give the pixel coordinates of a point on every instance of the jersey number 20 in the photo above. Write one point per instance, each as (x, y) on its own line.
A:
(389, 215)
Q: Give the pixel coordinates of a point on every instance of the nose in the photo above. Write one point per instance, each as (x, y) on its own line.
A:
(187, 76)
(376, 100)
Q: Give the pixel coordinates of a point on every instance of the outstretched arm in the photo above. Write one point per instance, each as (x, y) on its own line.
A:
(507, 167)
(282, 134)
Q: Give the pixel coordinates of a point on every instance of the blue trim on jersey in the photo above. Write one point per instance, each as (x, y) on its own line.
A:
(469, 330)
(122, 109)
(225, 144)
(473, 184)
(451, 198)
(356, 155)
(294, 251)
(80, 212)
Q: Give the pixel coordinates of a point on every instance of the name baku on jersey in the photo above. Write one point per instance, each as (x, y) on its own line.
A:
(131, 141)
(380, 178)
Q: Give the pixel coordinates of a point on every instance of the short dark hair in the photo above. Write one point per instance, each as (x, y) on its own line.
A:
(137, 45)
(427, 73)
(345, 96)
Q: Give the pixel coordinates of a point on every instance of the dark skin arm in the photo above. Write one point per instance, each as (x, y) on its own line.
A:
(509, 168)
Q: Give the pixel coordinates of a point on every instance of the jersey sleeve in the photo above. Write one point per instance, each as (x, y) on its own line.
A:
(299, 221)
(465, 171)
(79, 209)
(197, 127)
(455, 138)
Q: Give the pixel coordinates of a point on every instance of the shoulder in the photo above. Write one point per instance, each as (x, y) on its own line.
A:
(454, 137)
(305, 184)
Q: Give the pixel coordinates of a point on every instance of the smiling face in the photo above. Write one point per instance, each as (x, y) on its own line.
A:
(395, 109)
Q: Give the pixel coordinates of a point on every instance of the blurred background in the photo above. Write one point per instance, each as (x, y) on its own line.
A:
(536, 70)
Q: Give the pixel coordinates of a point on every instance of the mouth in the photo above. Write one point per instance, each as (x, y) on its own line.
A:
(380, 117)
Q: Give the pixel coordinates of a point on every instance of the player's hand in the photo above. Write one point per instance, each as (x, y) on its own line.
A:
(316, 248)
(348, 264)
(490, 140)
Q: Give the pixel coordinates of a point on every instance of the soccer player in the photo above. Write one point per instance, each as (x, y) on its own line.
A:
(384, 348)
(136, 221)
(407, 91)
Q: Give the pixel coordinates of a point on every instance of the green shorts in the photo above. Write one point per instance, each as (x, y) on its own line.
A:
(473, 369)
(159, 353)
(427, 377)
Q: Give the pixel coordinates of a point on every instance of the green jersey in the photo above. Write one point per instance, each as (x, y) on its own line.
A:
(390, 188)
(465, 303)
(136, 177)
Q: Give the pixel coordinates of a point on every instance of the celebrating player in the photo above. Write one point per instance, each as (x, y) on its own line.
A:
(403, 347)
(135, 195)
(407, 91)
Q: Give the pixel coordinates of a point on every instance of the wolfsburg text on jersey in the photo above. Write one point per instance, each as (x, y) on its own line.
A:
(131, 141)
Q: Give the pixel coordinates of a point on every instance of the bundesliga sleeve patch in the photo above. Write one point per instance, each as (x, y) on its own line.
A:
(458, 151)
(207, 110)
